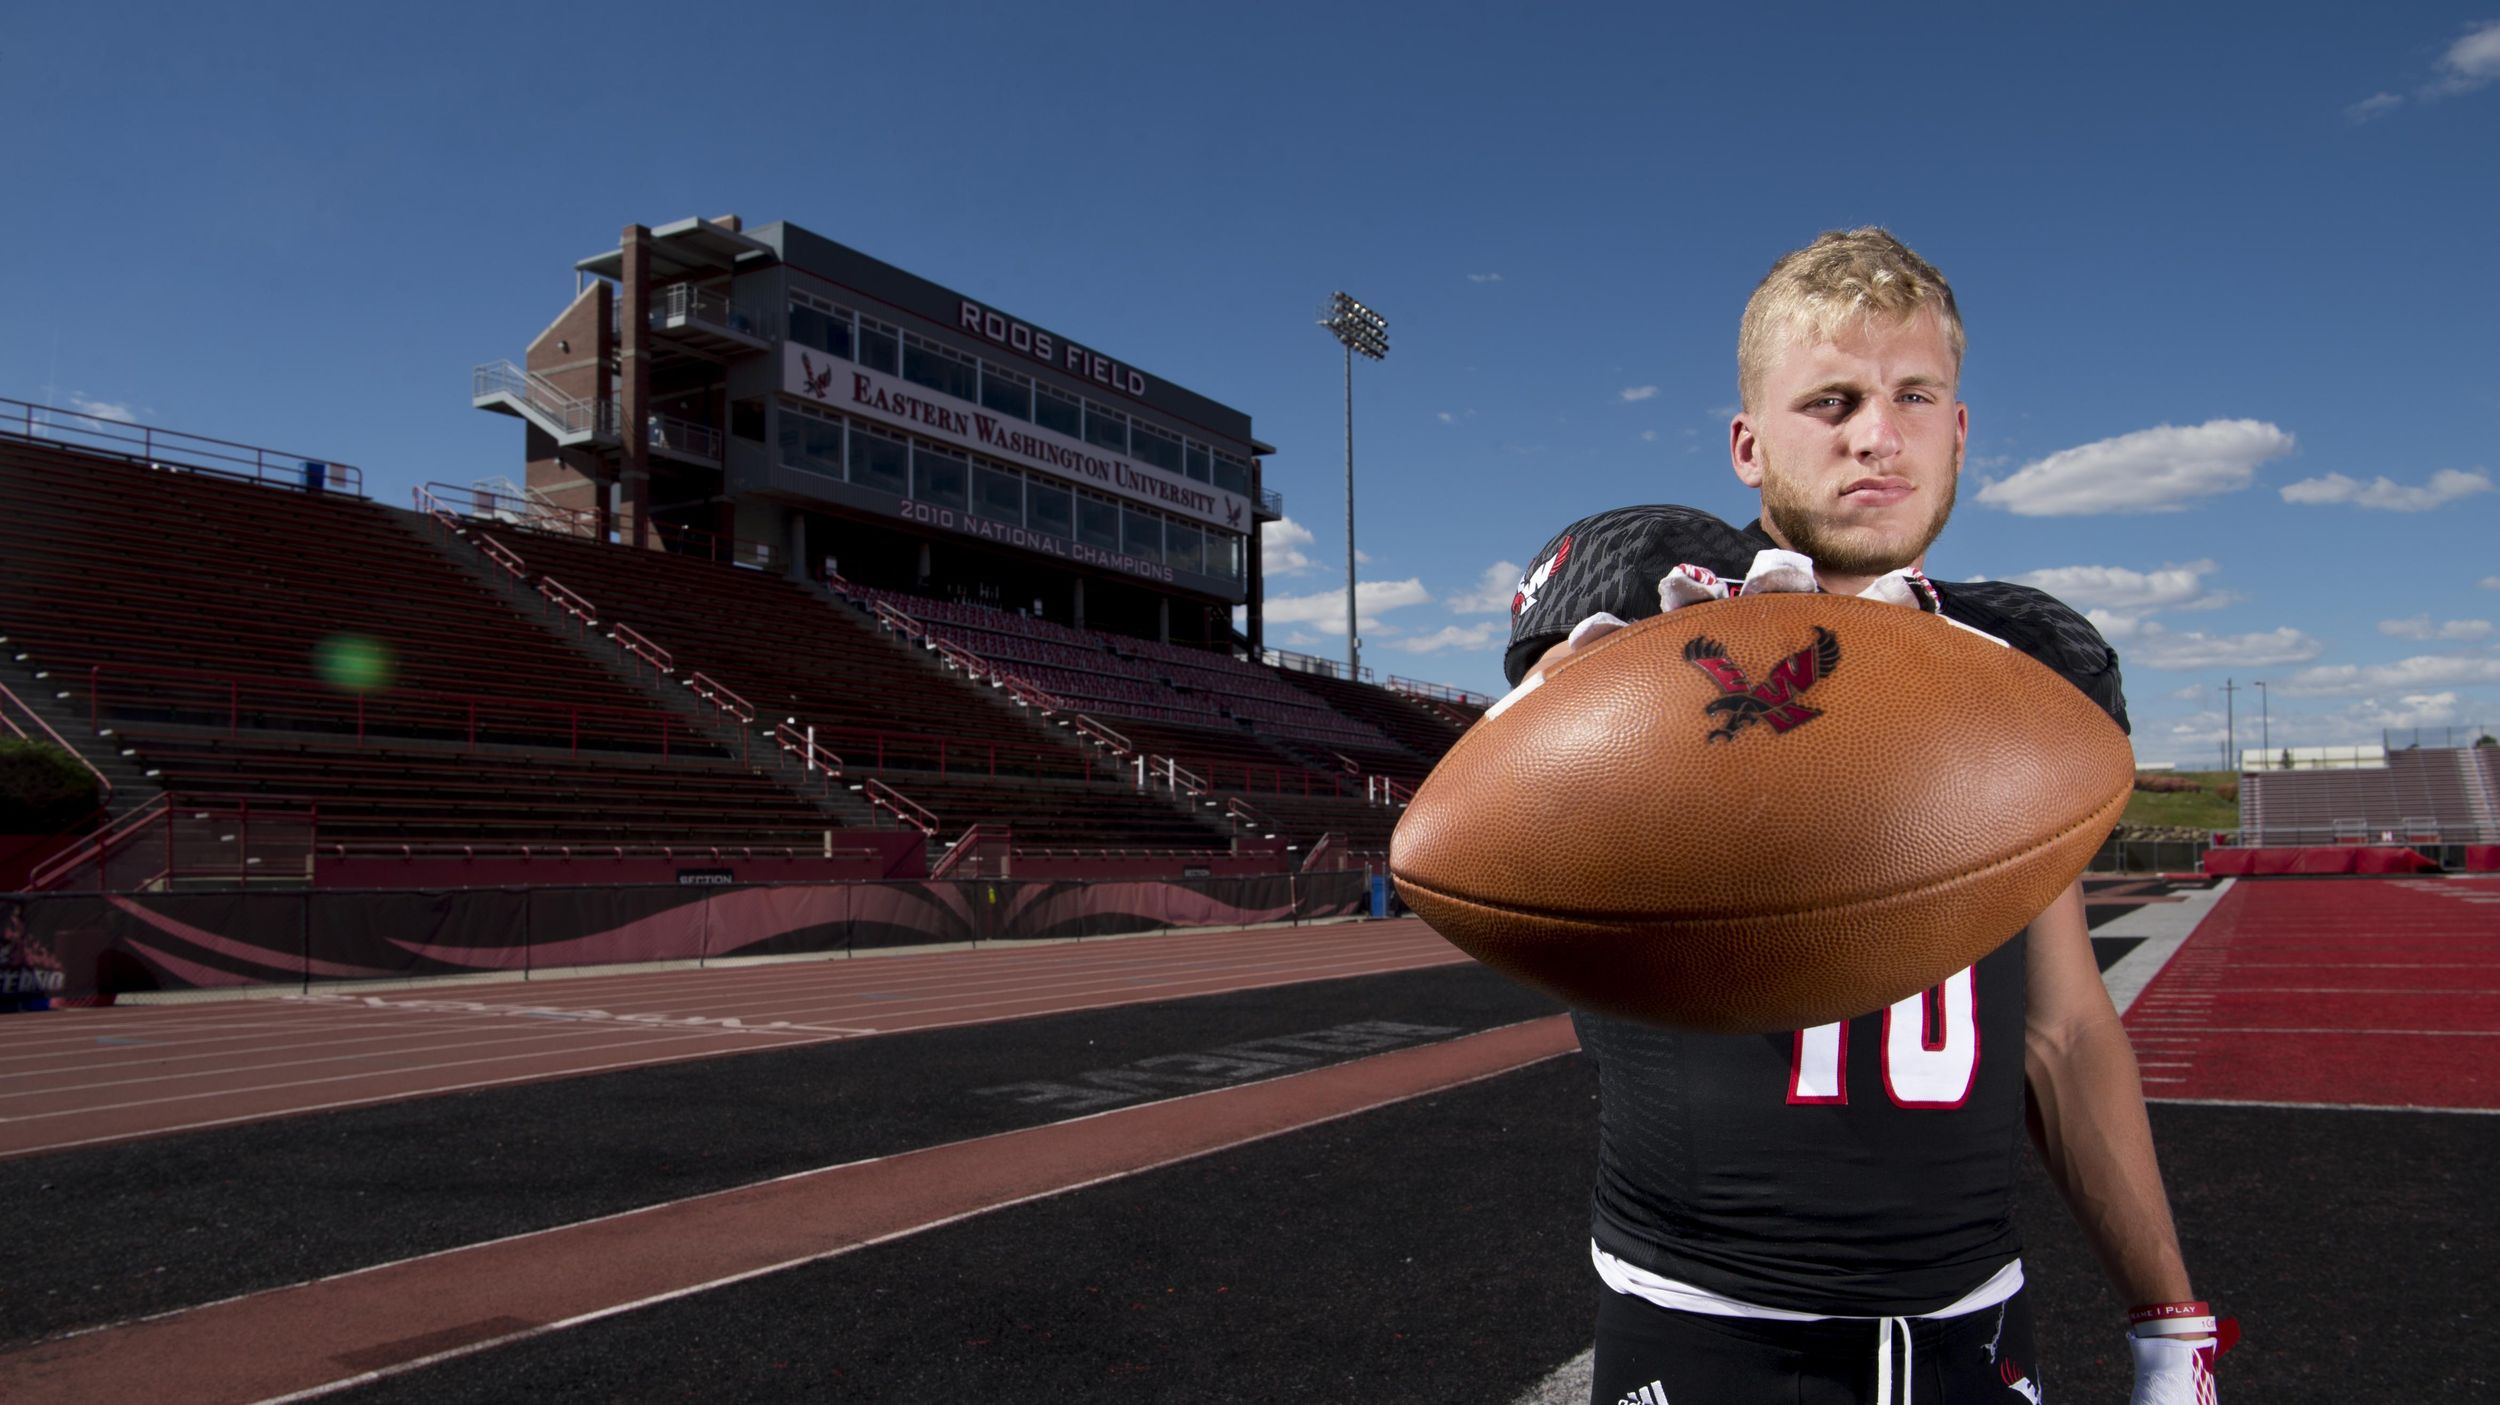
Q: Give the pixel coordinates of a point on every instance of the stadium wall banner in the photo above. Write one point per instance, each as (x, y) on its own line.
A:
(854, 389)
(89, 949)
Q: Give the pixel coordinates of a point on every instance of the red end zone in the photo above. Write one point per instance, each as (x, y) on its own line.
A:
(2334, 991)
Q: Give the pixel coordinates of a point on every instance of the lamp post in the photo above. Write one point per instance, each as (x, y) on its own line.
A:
(1366, 331)
(2265, 723)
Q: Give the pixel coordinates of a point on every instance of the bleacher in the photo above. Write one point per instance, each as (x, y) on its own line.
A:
(192, 613)
(2420, 796)
(787, 653)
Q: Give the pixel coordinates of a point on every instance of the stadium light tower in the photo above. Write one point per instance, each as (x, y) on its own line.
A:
(1366, 331)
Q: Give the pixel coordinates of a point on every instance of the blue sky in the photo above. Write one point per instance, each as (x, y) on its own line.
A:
(2227, 274)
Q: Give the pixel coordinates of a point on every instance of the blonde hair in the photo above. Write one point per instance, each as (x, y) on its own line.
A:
(1821, 290)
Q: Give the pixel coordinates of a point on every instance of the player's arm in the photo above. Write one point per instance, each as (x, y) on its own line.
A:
(2087, 1111)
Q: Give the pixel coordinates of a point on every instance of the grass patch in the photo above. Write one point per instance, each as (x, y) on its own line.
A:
(2214, 804)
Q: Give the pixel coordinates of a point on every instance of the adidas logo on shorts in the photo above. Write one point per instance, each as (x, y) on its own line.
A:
(1654, 1393)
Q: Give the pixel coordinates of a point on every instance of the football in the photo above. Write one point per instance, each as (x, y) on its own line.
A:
(1762, 814)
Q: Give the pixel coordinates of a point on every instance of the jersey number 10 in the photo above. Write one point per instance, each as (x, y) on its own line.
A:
(1931, 1051)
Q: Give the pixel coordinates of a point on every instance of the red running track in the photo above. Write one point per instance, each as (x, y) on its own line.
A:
(2351, 992)
(80, 1077)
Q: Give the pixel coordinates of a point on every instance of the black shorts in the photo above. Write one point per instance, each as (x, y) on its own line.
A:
(1687, 1358)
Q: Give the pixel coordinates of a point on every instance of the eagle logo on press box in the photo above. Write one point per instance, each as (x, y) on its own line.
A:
(1743, 702)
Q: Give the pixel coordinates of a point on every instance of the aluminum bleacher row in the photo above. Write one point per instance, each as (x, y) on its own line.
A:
(189, 615)
(2419, 796)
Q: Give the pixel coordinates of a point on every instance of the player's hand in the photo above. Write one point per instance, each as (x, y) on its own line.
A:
(2176, 1366)
(2173, 1370)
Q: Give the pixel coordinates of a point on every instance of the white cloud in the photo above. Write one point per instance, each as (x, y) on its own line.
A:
(2411, 710)
(103, 409)
(2489, 582)
(2420, 627)
(2156, 647)
(2416, 674)
(1649, 436)
(1281, 545)
(2472, 61)
(1326, 609)
(2386, 495)
(2375, 105)
(1484, 278)
(1447, 418)
(1638, 392)
(1492, 591)
(2160, 469)
(1456, 636)
(2120, 590)
(2194, 692)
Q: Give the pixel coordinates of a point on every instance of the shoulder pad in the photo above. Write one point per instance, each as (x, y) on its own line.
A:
(2047, 629)
(1610, 563)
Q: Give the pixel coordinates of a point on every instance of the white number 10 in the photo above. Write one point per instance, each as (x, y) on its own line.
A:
(1931, 1051)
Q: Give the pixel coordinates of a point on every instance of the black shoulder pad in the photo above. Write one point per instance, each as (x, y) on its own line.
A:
(1610, 564)
(2049, 630)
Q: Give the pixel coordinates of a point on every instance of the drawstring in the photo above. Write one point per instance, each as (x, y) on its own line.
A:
(1883, 1360)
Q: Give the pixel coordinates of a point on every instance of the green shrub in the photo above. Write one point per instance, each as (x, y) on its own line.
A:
(43, 789)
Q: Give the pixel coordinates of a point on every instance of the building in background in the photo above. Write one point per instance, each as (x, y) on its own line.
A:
(808, 407)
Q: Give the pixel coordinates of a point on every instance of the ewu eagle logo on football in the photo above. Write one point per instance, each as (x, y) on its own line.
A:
(1742, 702)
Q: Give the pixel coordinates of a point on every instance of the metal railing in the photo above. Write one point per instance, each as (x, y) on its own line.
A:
(713, 691)
(684, 302)
(1306, 663)
(685, 437)
(178, 451)
(197, 836)
(567, 414)
(1102, 736)
(1171, 774)
(970, 856)
(533, 513)
(1440, 692)
(801, 742)
(1240, 814)
(1271, 503)
(196, 697)
(901, 806)
(10, 700)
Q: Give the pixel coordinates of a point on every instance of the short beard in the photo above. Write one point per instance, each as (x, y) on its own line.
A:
(1846, 551)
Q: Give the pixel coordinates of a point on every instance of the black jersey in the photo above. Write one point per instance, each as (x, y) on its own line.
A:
(1864, 1168)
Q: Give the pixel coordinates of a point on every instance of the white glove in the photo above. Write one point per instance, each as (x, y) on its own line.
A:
(2173, 1370)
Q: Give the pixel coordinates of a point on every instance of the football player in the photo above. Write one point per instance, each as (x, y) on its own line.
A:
(1827, 1214)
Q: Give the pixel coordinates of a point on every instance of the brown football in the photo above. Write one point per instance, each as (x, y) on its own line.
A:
(1762, 814)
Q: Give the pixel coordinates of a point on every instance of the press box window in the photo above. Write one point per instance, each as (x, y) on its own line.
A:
(880, 346)
(1232, 475)
(925, 363)
(1200, 463)
(937, 478)
(1048, 508)
(810, 444)
(1006, 392)
(1106, 429)
(880, 461)
(997, 494)
(1098, 522)
(1141, 534)
(1155, 447)
(1061, 414)
(1183, 548)
(825, 331)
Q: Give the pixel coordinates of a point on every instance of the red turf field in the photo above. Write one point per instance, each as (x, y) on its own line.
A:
(2357, 992)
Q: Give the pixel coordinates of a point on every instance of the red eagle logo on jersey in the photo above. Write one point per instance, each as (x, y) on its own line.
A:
(817, 382)
(1743, 702)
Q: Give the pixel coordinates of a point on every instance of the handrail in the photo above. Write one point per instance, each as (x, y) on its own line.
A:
(903, 807)
(503, 556)
(177, 449)
(1175, 775)
(55, 737)
(639, 645)
(1235, 810)
(528, 513)
(685, 436)
(974, 666)
(573, 414)
(97, 847)
(1386, 790)
(1324, 849)
(1352, 767)
(715, 546)
(970, 842)
(684, 302)
(897, 620)
(385, 848)
(235, 687)
(814, 757)
(569, 601)
(1087, 726)
(1442, 692)
(713, 691)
